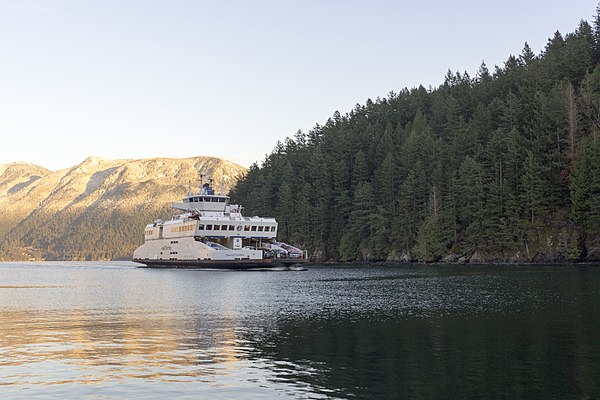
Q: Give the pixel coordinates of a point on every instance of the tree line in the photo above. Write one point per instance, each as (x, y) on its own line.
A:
(504, 165)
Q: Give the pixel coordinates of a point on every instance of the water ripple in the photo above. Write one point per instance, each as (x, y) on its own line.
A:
(114, 332)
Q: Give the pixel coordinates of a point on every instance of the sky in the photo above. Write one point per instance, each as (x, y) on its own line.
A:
(180, 78)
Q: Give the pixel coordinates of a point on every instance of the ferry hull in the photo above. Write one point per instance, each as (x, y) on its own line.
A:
(221, 264)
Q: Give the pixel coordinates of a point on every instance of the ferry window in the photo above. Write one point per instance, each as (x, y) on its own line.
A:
(260, 228)
(272, 229)
(223, 227)
(201, 227)
(231, 227)
(221, 200)
(214, 200)
(246, 228)
(209, 227)
(216, 228)
(253, 229)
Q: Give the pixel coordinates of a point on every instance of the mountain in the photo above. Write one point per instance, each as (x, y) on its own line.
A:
(97, 209)
(14, 203)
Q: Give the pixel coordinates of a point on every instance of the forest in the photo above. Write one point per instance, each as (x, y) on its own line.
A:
(503, 166)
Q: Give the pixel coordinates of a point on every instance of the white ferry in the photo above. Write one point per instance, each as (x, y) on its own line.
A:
(211, 233)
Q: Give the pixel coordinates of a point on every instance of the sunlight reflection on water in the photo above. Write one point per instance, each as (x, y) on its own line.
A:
(113, 331)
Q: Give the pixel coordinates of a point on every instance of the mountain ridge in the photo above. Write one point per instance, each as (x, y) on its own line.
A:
(96, 209)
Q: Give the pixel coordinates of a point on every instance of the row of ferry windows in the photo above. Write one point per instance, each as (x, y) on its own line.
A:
(183, 228)
(207, 199)
(209, 227)
(247, 228)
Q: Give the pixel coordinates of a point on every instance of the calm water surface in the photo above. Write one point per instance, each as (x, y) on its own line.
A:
(112, 331)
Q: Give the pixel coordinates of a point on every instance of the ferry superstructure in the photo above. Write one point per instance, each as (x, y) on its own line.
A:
(212, 233)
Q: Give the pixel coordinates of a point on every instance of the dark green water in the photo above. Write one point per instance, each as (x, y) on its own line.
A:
(92, 330)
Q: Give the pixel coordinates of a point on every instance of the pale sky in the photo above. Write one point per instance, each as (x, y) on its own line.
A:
(180, 78)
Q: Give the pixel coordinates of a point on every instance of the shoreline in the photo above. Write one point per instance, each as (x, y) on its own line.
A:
(379, 263)
(454, 263)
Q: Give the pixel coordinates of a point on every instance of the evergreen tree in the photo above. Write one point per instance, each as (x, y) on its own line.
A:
(589, 103)
(469, 200)
(433, 233)
(386, 181)
(585, 187)
(412, 200)
(356, 243)
(533, 188)
(596, 37)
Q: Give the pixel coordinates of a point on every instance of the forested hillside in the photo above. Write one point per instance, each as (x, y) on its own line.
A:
(501, 166)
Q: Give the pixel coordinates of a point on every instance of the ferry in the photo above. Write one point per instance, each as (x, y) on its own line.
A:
(209, 232)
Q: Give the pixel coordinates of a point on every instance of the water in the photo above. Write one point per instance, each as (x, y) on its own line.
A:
(112, 331)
